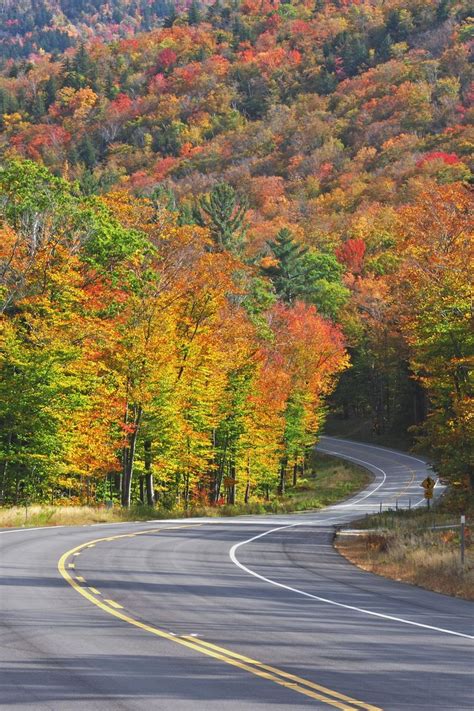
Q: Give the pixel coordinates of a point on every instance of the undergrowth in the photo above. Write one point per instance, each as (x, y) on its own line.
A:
(326, 481)
(418, 546)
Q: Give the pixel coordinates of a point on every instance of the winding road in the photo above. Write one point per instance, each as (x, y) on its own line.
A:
(246, 614)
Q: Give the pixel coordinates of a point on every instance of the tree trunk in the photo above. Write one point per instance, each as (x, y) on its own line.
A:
(219, 475)
(129, 458)
(295, 472)
(247, 486)
(232, 486)
(186, 490)
(247, 491)
(5, 467)
(149, 486)
(281, 486)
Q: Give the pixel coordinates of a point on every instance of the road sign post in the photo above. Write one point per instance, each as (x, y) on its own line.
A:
(428, 485)
(463, 543)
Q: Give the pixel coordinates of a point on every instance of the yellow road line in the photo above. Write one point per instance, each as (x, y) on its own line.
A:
(413, 474)
(112, 603)
(286, 675)
(80, 579)
(95, 591)
(264, 671)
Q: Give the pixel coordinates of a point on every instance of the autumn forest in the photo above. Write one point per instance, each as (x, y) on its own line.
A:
(222, 224)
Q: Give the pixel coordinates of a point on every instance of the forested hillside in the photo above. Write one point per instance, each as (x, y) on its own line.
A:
(32, 26)
(207, 223)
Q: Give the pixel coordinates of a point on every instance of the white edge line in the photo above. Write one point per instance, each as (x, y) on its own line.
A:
(361, 461)
(374, 446)
(37, 528)
(236, 562)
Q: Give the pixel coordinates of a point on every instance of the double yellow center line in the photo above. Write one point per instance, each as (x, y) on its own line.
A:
(264, 671)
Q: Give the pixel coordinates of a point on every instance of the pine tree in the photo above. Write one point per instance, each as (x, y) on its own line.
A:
(194, 15)
(82, 63)
(290, 273)
(88, 153)
(224, 213)
(171, 17)
(38, 107)
(50, 90)
(384, 51)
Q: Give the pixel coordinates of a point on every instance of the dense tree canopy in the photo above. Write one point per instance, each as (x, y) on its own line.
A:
(197, 201)
(128, 349)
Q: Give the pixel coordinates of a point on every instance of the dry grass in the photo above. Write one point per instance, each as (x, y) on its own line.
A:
(39, 515)
(430, 559)
(328, 480)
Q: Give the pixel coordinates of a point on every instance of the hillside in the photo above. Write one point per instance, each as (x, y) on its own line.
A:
(325, 149)
(33, 26)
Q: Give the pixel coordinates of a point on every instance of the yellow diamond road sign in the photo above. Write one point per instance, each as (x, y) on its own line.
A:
(428, 483)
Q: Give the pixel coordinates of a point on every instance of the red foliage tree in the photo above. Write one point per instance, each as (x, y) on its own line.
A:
(351, 254)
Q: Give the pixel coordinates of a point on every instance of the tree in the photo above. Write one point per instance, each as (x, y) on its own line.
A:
(289, 273)
(194, 14)
(55, 319)
(224, 214)
(312, 352)
(298, 273)
(433, 290)
(88, 153)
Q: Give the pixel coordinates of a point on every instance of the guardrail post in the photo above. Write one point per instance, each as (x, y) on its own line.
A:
(463, 522)
(380, 507)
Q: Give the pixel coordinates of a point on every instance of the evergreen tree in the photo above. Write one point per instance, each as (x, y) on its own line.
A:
(313, 277)
(289, 275)
(194, 15)
(87, 152)
(384, 51)
(224, 214)
(38, 107)
(50, 90)
(8, 104)
(171, 17)
(110, 90)
(88, 183)
(164, 197)
(82, 63)
(81, 71)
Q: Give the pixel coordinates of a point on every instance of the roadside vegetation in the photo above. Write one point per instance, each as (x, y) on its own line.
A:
(419, 546)
(326, 481)
(219, 223)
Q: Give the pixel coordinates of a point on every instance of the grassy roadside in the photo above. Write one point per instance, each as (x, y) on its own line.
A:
(327, 481)
(410, 546)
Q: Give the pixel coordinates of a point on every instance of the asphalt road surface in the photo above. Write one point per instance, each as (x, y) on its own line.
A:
(247, 614)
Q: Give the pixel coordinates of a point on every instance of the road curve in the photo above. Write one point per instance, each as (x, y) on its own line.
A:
(251, 613)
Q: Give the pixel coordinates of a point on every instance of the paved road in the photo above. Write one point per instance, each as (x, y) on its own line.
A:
(253, 613)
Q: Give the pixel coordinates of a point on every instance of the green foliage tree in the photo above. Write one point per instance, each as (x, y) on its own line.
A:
(289, 274)
(223, 212)
(194, 13)
(314, 277)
